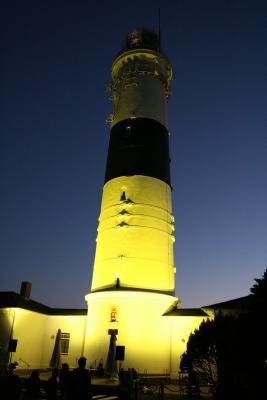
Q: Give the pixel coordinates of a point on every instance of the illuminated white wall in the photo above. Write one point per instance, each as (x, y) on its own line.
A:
(135, 237)
(153, 342)
(73, 324)
(181, 328)
(6, 323)
(140, 86)
(142, 328)
(36, 335)
(29, 330)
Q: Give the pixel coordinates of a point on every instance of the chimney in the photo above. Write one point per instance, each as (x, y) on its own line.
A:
(25, 289)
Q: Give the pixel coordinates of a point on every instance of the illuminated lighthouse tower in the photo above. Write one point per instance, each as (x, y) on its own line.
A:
(133, 277)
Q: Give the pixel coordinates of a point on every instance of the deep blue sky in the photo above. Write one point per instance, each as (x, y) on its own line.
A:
(56, 59)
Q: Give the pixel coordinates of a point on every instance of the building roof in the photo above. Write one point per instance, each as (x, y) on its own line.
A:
(241, 303)
(234, 305)
(186, 312)
(15, 300)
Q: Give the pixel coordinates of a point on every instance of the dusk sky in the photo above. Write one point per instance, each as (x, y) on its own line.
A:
(56, 63)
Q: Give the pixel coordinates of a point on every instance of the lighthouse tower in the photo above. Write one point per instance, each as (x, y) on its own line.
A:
(133, 276)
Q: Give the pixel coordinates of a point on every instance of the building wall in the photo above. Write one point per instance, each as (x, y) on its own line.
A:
(140, 86)
(36, 334)
(153, 343)
(181, 328)
(135, 237)
(28, 329)
(142, 328)
(6, 322)
(73, 324)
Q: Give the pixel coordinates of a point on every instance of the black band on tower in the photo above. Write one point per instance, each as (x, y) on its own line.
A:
(138, 146)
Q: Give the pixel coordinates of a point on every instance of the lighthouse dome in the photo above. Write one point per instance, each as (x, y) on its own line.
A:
(142, 38)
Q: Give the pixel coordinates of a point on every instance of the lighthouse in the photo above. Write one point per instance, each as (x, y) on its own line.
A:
(133, 282)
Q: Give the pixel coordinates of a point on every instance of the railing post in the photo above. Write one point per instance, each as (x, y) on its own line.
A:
(161, 391)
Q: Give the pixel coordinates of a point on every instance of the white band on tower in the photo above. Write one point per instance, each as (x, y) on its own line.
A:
(140, 86)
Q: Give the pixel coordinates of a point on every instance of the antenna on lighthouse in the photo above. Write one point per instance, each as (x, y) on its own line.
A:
(159, 29)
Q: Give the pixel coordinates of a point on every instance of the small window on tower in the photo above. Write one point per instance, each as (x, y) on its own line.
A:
(123, 196)
(128, 130)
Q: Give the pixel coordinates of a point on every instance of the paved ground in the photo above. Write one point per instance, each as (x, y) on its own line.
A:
(149, 389)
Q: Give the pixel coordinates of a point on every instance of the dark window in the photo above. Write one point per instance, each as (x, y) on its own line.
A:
(123, 196)
(65, 342)
(128, 130)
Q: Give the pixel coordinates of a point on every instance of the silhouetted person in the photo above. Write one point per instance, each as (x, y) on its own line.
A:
(134, 373)
(10, 388)
(100, 371)
(65, 382)
(81, 381)
(121, 375)
(33, 386)
(52, 385)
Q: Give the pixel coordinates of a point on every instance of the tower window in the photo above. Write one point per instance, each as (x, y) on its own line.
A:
(123, 196)
(65, 343)
(128, 130)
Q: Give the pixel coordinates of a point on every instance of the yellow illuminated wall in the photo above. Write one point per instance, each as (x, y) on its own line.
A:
(36, 335)
(153, 342)
(135, 236)
(181, 328)
(75, 326)
(142, 329)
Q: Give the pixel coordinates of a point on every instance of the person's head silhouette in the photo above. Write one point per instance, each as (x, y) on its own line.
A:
(82, 362)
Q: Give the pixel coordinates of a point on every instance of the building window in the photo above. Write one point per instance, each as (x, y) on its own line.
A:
(65, 342)
(123, 196)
